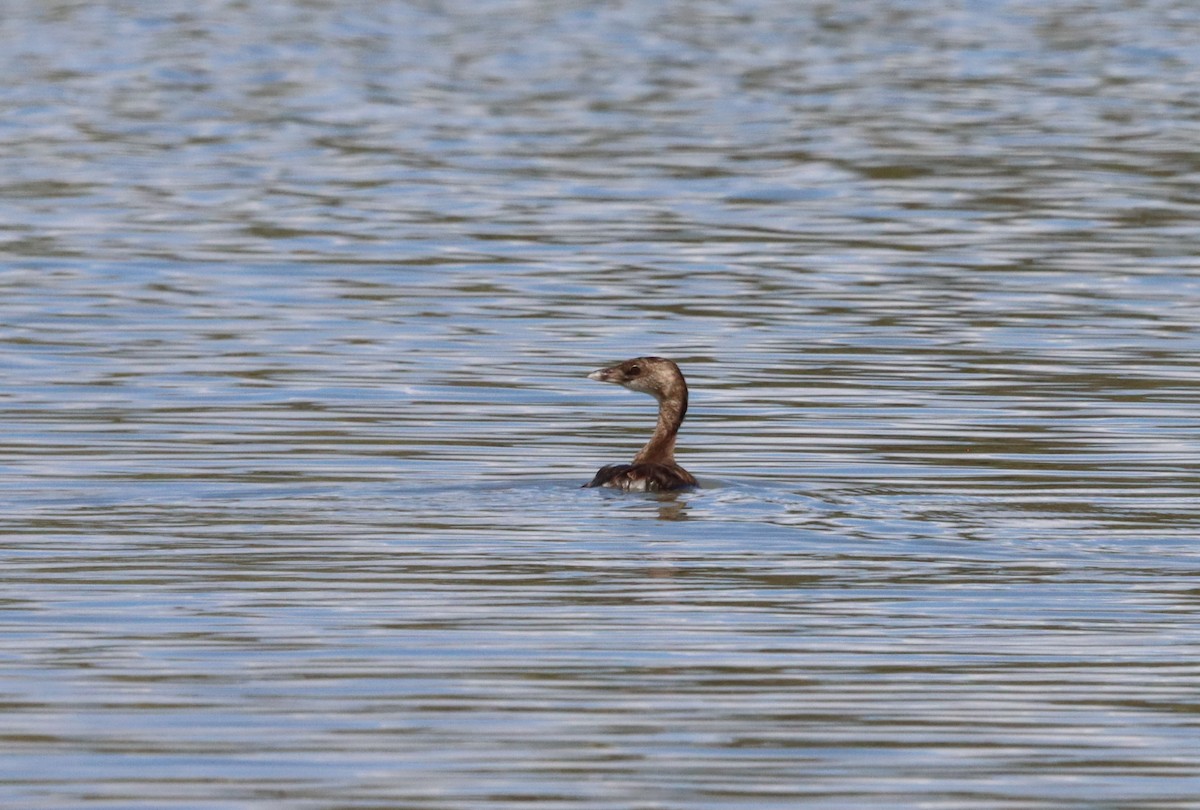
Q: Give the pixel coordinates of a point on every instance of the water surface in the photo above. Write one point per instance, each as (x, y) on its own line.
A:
(297, 302)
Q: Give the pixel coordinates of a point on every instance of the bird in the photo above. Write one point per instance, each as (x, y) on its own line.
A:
(653, 469)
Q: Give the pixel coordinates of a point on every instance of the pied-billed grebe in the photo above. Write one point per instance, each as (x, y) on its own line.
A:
(653, 468)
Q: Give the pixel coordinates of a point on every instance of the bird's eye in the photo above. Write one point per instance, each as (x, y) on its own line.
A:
(633, 371)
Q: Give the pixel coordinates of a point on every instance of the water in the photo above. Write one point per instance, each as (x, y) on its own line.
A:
(297, 301)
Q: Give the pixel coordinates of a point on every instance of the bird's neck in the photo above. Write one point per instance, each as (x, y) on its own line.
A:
(661, 447)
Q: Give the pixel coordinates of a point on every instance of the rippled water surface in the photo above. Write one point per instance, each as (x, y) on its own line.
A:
(297, 300)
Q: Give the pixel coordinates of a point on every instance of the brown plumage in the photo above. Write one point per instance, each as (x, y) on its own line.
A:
(653, 468)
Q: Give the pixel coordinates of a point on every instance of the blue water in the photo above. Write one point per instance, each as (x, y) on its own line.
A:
(297, 303)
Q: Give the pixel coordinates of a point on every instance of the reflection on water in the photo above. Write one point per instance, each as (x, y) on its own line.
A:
(296, 304)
